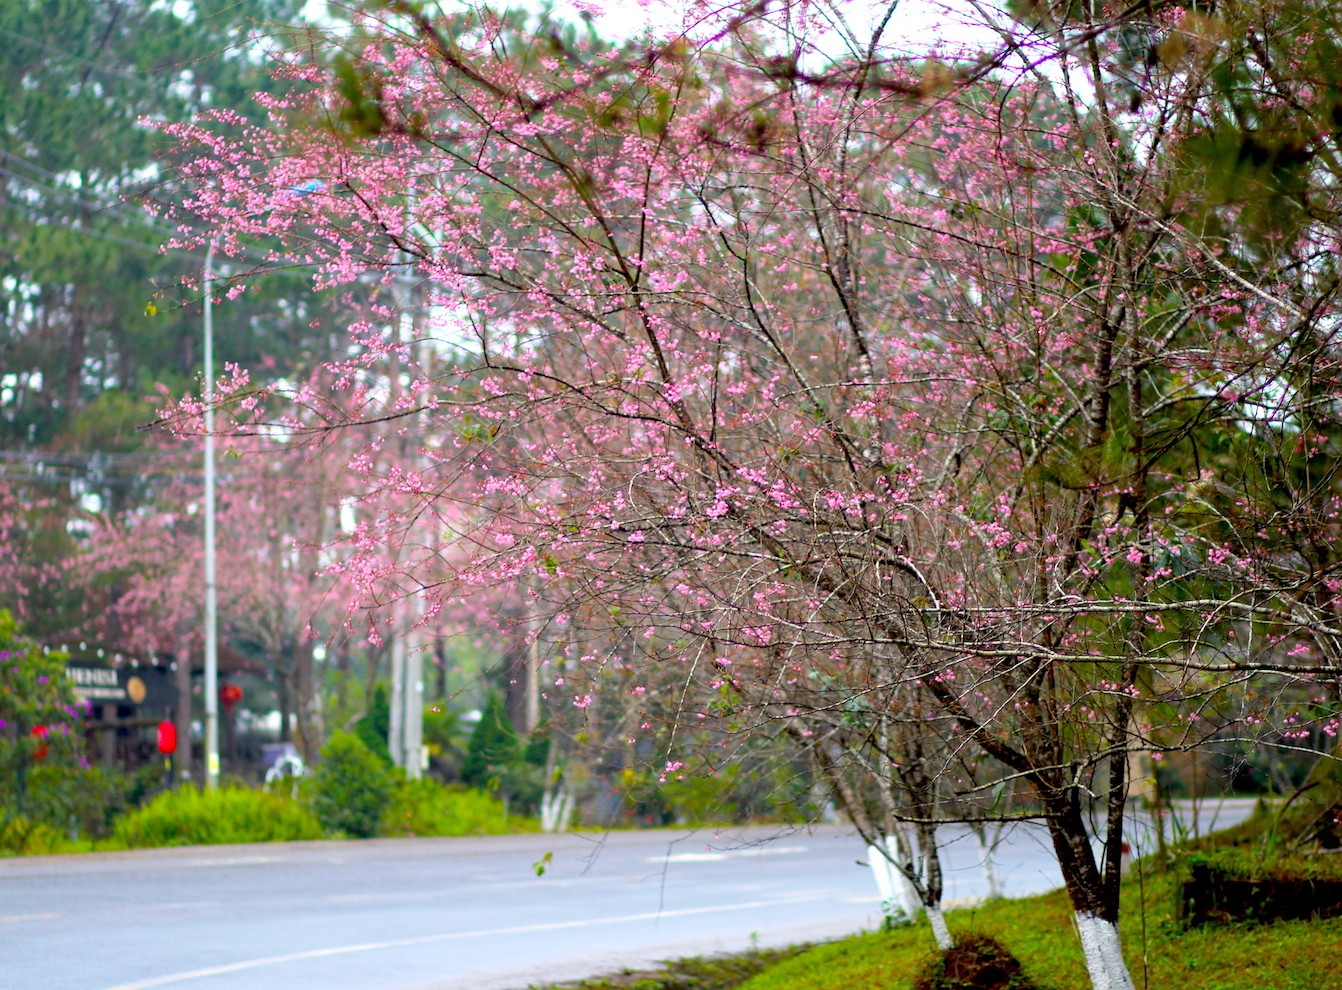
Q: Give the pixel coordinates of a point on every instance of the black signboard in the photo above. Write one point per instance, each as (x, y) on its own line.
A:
(148, 686)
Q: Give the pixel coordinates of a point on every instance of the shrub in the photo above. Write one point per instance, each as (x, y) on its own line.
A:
(21, 836)
(188, 817)
(375, 726)
(426, 807)
(87, 799)
(351, 787)
(37, 708)
(498, 760)
(445, 736)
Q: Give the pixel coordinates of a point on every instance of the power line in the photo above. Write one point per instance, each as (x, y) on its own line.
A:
(69, 56)
(42, 218)
(85, 457)
(55, 187)
(100, 208)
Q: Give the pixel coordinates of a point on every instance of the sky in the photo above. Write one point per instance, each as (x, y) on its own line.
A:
(921, 22)
(918, 24)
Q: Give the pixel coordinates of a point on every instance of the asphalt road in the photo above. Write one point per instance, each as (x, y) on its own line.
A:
(446, 914)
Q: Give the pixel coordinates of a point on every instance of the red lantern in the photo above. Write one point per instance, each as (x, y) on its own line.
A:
(167, 738)
(40, 733)
(230, 694)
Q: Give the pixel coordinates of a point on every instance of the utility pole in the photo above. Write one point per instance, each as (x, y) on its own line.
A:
(406, 730)
(211, 585)
(407, 656)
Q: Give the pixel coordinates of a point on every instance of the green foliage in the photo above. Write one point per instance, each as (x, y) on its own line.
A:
(1241, 863)
(498, 760)
(20, 836)
(374, 728)
(34, 695)
(738, 794)
(1274, 865)
(493, 748)
(351, 788)
(189, 817)
(1264, 152)
(761, 782)
(87, 800)
(78, 78)
(445, 739)
(427, 808)
(360, 95)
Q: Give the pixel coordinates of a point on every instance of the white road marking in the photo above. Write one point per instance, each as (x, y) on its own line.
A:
(720, 855)
(344, 950)
(236, 861)
(717, 857)
(28, 917)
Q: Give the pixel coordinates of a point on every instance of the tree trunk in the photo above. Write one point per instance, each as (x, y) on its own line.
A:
(282, 701)
(515, 681)
(988, 851)
(182, 713)
(74, 362)
(1095, 906)
(940, 932)
(1103, 952)
(307, 701)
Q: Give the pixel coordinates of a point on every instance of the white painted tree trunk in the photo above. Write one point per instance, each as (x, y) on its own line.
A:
(988, 850)
(887, 878)
(1103, 953)
(556, 809)
(939, 930)
(896, 893)
(908, 893)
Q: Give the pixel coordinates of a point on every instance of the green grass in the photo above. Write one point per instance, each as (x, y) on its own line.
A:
(694, 973)
(1288, 955)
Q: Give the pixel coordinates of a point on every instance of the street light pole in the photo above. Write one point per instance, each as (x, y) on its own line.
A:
(211, 587)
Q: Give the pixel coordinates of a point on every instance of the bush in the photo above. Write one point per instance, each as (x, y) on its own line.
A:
(37, 710)
(446, 737)
(87, 800)
(351, 788)
(375, 726)
(21, 836)
(188, 817)
(426, 807)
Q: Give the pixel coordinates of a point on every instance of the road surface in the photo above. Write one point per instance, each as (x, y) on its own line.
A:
(447, 914)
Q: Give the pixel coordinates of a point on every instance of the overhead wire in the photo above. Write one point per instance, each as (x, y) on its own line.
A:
(70, 224)
(56, 188)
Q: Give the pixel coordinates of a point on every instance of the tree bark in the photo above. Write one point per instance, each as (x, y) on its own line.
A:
(182, 713)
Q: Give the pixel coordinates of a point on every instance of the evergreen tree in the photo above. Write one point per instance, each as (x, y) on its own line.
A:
(494, 746)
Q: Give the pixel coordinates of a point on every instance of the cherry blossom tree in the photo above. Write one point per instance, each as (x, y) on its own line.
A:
(278, 538)
(930, 407)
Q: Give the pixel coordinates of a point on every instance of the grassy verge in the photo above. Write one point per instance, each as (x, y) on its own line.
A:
(1288, 955)
(695, 973)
